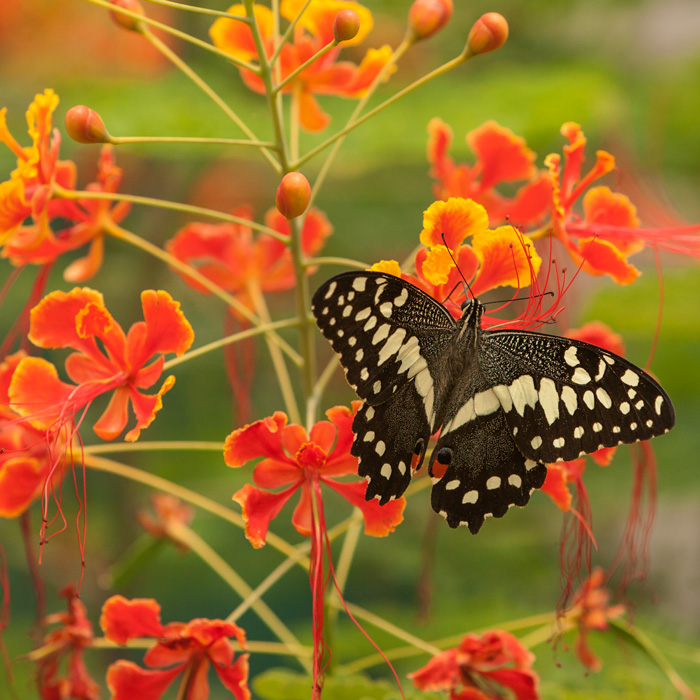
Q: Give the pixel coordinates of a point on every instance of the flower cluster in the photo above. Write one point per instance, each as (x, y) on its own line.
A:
(35, 203)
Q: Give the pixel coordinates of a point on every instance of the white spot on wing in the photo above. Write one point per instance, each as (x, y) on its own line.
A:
(486, 402)
(358, 284)
(549, 399)
(386, 470)
(603, 397)
(331, 290)
(570, 356)
(630, 378)
(493, 482)
(470, 497)
(568, 396)
(580, 376)
(515, 480)
(392, 345)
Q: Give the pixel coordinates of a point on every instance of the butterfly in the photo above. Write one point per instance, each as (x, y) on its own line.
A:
(506, 402)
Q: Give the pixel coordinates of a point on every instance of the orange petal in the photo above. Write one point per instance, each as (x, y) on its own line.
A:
(122, 619)
(302, 518)
(263, 438)
(21, 481)
(507, 258)
(259, 509)
(167, 329)
(597, 333)
(319, 17)
(437, 265)
(127, 680)
(389, 267)
(456, 218)
(113, 419)
(366, 73)
(555, 487)
(86, 267)
(235, 37)
(603, 258)
(379, 520)
(503, 156)
(145, 407)
(52, 322)
(311, 116)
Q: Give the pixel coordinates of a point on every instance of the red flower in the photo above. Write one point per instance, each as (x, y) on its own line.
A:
(295, 461)
(187, 648)
(314, 30)
(590, 611)
(169, 510)
(230, 256)
(70, 641)
(481, 668)
(492, 258)
(78, 320)
(30, 195)
(25, 458)
(501, 157)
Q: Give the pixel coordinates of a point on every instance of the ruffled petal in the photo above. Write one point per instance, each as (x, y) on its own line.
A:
(260, 439)
(114, 418)
(366, 73)
(440, 673)
(456, 218)
(379, 520)
(603, 258)
(145, 407)
(123, 619)
(502, 156)
(127, 681)
(235, 37)
(21, 481)
(506, 257)
(235, 677)
(259, 509)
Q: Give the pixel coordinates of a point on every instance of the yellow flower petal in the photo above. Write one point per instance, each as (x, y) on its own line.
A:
(389, 267)
(456, 218)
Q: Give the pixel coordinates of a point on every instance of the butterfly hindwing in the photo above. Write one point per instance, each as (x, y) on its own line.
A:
(390, 443)
(563, 398)
(484, 472)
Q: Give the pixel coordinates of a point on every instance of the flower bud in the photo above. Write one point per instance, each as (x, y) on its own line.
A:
(84, 125)
(293, 195)
(346, 25)
(130, 23)
(489, 33)
(428, 16)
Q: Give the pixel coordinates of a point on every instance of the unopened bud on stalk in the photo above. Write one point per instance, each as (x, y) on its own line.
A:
(293, 195)
(84, 125)
(489, 33)
(428, 16)
(130, 23)
(346, 25)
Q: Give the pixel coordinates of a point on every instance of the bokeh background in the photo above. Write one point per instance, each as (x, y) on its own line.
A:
(627, 70)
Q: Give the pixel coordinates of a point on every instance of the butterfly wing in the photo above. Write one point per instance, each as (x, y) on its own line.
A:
(564, 398)
(392, 340)
(477, 469)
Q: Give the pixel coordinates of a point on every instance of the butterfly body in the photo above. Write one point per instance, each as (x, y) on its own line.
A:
(506, 402)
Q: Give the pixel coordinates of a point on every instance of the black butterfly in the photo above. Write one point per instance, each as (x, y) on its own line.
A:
(508, 401)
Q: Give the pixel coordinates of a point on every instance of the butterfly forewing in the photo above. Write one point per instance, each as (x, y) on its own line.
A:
(563, 398)
(507, 402)
(392, 340)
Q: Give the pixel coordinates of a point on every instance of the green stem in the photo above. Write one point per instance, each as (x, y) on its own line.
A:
(211, 93)
(183, 534)
(272, 578)
(379, 108)
(283, 377)
(234, 338)
(147, 21)
(155, 482)
(122, 140)
(654, 653)
(179, 445)
(198, 10)
(321, 52)
(345, 262)
(63, 193)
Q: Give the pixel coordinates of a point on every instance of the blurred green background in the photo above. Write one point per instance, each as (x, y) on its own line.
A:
(627, 71)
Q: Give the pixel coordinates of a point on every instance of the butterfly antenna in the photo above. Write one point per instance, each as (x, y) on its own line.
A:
(464, 279)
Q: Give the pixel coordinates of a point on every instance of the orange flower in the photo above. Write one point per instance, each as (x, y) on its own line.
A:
(29, 195)
(295, 461)
(481, 668)
(314, 30)
(71, 640)
(188, 648)
(590, 611)
(78, 320)
(493, 258)
(501, 157)
(25, 459)
(230, 256)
